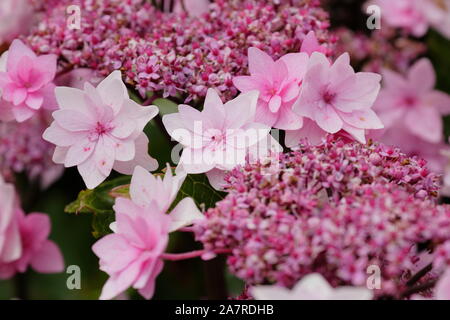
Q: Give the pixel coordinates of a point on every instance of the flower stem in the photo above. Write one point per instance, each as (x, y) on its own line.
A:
(190, 255)
(419, 275)
(418, 289)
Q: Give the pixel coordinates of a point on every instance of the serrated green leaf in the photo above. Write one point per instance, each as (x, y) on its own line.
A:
(99, 202)
(198, 187)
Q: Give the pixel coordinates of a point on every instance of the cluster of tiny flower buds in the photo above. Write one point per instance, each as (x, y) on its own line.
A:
(22, 150)
(172, 52)
(334, 209)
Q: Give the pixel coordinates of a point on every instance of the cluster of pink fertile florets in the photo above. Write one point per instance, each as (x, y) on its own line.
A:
(22, 150)
(334, 209)
(173, 52)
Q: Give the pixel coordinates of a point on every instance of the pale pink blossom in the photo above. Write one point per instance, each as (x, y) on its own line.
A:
(100, 129)
(311, 287)
(407, 14)
(219, 137)
(147, 190)
(413, 102)
(278, 83)
(131, 256)
(41, 254)
(10, 243)
(24, 238)
(336, 98)
(16, 17)
(26, 82)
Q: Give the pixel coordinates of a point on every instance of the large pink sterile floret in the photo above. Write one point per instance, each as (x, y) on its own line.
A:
(278, 83)
(132, 254)
(337, 98)
(100, 129)
(25, 82)
(413, 102)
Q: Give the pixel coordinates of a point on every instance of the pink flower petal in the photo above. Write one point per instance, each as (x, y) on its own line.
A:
(362, 119)
(142, 158)
(184, 214)
(105, 154)
(310, 130)
(48, 259)
(62, 137)
(22, 113)
(17, 51)
(114, 252)
(425, 123)
(288, 120)
(34, 101)
(241, 109)
(73, 120)
(421, 76)
(79, 152)
(297, 64)
(328, 120)
(19, 96)
(46, 65)
(275, 104)
(125, 150)
(92, 176)
(259, 62)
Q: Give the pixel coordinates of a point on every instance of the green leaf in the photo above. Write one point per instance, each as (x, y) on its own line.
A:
(198, 187)
(438, 48)
(99, 202)
(165, 106)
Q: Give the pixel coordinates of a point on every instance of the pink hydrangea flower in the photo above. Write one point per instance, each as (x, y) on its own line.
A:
(10, 243)
(412, 101)
(336, 98)
(219, 137)
(278, 83)
(312, 287)
(100, 129)
(23, 238)
(26, 82)
(41, 254)
(147, 190)
(406, 14)
(132, 254)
